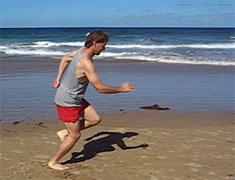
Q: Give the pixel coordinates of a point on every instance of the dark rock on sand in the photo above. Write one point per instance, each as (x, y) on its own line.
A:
(41, 124)
(17, 122)
(155, 107)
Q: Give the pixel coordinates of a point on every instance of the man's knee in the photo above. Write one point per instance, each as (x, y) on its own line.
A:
(92, 116)
(96, 120)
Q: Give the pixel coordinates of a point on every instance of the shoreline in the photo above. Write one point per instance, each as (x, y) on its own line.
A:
(179, 146)
(42, 64)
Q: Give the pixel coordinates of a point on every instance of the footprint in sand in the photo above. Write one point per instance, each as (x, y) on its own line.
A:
(144, 131)
(148, 164)
(76, 172)
(229, 139)
(122, 130)
(171, 170)
(43, 157)
(217, 157)
(211, 173)
(162, 157)
(144, 157)
(148, 133)
(51, 143)
(44, 138)
(212, 133)
(154, 178)
(7, 159)
(192, 164)
(17, 151)
(185, 146)
(66, 175)
(193, 169)
(165, 133)
(209, 145)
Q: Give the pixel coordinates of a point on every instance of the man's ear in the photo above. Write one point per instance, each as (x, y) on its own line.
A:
(94, 43)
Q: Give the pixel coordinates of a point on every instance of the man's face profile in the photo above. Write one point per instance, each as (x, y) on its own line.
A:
(99, 47)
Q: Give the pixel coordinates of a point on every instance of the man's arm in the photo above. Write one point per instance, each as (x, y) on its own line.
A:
(95, 80)
(63, 64)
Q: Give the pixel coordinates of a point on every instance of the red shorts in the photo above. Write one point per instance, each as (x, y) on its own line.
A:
(71, 114)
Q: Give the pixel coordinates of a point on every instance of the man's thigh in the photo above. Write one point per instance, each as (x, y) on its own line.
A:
(91, 114)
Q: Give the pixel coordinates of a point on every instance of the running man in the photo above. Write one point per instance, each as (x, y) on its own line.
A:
(76, 113)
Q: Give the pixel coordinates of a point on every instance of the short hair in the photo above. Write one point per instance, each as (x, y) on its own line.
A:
(98, 36)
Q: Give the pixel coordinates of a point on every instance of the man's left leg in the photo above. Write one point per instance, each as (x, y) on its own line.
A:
(90, 118)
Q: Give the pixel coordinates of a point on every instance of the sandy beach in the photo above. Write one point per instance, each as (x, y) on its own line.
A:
(194, 140)
(142, 145)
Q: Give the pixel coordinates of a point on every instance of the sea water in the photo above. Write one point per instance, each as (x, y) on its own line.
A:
(168, 45)
(186, 69)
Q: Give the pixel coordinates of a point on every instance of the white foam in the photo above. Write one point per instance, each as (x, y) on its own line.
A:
(212, 46)
(42, 50)
(203, 46)
(47, 44)
(135, 56)
(112, 54)
(191, 61)
(3, 47)
(139, 57)
(34, 52)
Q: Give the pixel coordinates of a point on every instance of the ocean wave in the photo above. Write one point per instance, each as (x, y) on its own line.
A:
(48, 44)
(122, 55)
(33, 52)
(112, 54)
(3, 47)
(201, 46)
(168, 59)
(43, 44)
(196, 62)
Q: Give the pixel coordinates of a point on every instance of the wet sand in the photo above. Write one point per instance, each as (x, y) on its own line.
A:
(26, 93)
(141, 145)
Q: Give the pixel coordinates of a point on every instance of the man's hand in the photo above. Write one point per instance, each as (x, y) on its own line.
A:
(127, 87)
(56, 84)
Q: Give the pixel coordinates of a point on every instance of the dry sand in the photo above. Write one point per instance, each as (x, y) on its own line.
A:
(198, 146)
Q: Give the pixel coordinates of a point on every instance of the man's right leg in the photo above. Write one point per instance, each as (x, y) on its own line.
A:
(73, 130)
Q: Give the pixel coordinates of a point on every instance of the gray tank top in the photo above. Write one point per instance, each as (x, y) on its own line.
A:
(71, 91)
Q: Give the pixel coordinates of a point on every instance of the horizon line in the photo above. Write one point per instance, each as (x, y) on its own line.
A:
(118, 27)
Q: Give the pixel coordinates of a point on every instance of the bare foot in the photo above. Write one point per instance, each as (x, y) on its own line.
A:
(57, 166)
(62, 134)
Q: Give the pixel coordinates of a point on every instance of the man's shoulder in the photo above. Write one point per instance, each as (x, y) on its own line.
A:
(85, 60)
(86, 63)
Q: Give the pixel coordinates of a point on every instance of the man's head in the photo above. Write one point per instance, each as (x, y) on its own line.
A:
(98, 39)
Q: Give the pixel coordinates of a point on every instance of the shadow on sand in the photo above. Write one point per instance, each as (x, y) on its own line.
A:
(104, 144)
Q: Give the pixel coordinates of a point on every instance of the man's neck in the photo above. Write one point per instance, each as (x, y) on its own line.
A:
(88, 51)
